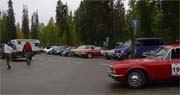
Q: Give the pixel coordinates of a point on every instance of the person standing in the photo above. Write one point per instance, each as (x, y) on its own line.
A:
(76, 46)
(27, 49)
(8, 51)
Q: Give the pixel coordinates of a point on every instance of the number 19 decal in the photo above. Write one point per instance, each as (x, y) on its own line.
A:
(175, 69)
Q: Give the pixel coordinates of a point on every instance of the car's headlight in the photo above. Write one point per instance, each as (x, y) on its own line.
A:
(122, 51)
(112, 70)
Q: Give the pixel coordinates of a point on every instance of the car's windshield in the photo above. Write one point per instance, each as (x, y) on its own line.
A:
(56, 48)
(160, 53)
(63, 47)
(119, 46)
(127, 43)
(83, 47)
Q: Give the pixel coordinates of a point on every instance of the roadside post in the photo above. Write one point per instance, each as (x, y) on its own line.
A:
(133, 38)
(106, 43)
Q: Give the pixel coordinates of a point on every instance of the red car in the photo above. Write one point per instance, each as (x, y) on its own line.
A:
(163, 64)
(90, 53)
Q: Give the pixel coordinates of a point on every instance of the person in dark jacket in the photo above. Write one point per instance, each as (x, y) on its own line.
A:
(27, 49)
(76, 46)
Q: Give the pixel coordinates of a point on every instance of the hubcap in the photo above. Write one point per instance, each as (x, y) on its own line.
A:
(135, 79)
(69, 54)
(90, 55)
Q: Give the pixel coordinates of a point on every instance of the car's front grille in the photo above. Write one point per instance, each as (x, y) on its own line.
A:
(118, 51)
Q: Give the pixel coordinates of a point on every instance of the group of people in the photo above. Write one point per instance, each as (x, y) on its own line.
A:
(27, 50)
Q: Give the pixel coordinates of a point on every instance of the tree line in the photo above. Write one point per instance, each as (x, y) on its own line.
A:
(94, 21)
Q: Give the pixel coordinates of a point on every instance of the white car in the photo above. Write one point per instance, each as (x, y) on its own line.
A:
(48, 49)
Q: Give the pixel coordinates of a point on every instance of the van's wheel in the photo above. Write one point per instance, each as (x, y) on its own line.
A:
(1, 56)
(89, 55)
(136, 79)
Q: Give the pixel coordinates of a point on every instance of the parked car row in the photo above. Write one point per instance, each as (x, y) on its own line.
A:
(120, 52)
(83, 51)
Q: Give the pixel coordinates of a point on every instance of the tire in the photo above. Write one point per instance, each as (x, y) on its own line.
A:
(136, 79)
(68, 54)
(108, 58)
(1, 56)
(129, 56)
(89, 55)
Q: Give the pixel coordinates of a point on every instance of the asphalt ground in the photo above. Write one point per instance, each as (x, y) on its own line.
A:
(56, 75)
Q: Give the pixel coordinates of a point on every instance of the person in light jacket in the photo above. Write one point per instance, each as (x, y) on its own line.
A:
(8, 51)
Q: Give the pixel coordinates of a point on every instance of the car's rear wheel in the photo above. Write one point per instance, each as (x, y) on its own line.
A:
(1, 56)
(89, 55)
(136, 79)
(68, 54)
(107, 57)
(129, 56)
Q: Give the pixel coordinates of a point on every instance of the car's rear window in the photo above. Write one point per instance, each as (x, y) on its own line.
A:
(151, 42)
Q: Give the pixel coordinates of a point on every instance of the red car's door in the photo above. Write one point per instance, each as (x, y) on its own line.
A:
(168, 68)
(175, 68)
(175, 63)
(160, 70)
(96, 52)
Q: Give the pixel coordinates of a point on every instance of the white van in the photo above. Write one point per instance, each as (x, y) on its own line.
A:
(19, 44)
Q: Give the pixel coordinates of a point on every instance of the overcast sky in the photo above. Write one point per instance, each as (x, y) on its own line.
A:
(45, 8)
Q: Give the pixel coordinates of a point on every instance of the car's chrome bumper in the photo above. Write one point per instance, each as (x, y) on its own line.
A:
(113, 75)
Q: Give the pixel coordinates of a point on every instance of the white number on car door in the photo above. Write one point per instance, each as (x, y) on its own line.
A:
(175, 69)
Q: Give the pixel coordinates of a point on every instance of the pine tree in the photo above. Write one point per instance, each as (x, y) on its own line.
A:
(93, 21)
(0, 28)
(120, 20)
(35, 25)
(11, 28)
(19, 32)
(62, 21)
(60, 17)
(25, 22)
(171, 20)
(50, 35)
(3, 28)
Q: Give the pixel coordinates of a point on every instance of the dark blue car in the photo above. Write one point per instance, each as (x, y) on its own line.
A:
(142, 45)
(58, 50)
(66, 52)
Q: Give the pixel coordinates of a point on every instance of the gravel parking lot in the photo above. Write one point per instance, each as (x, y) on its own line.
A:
(56, 75)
